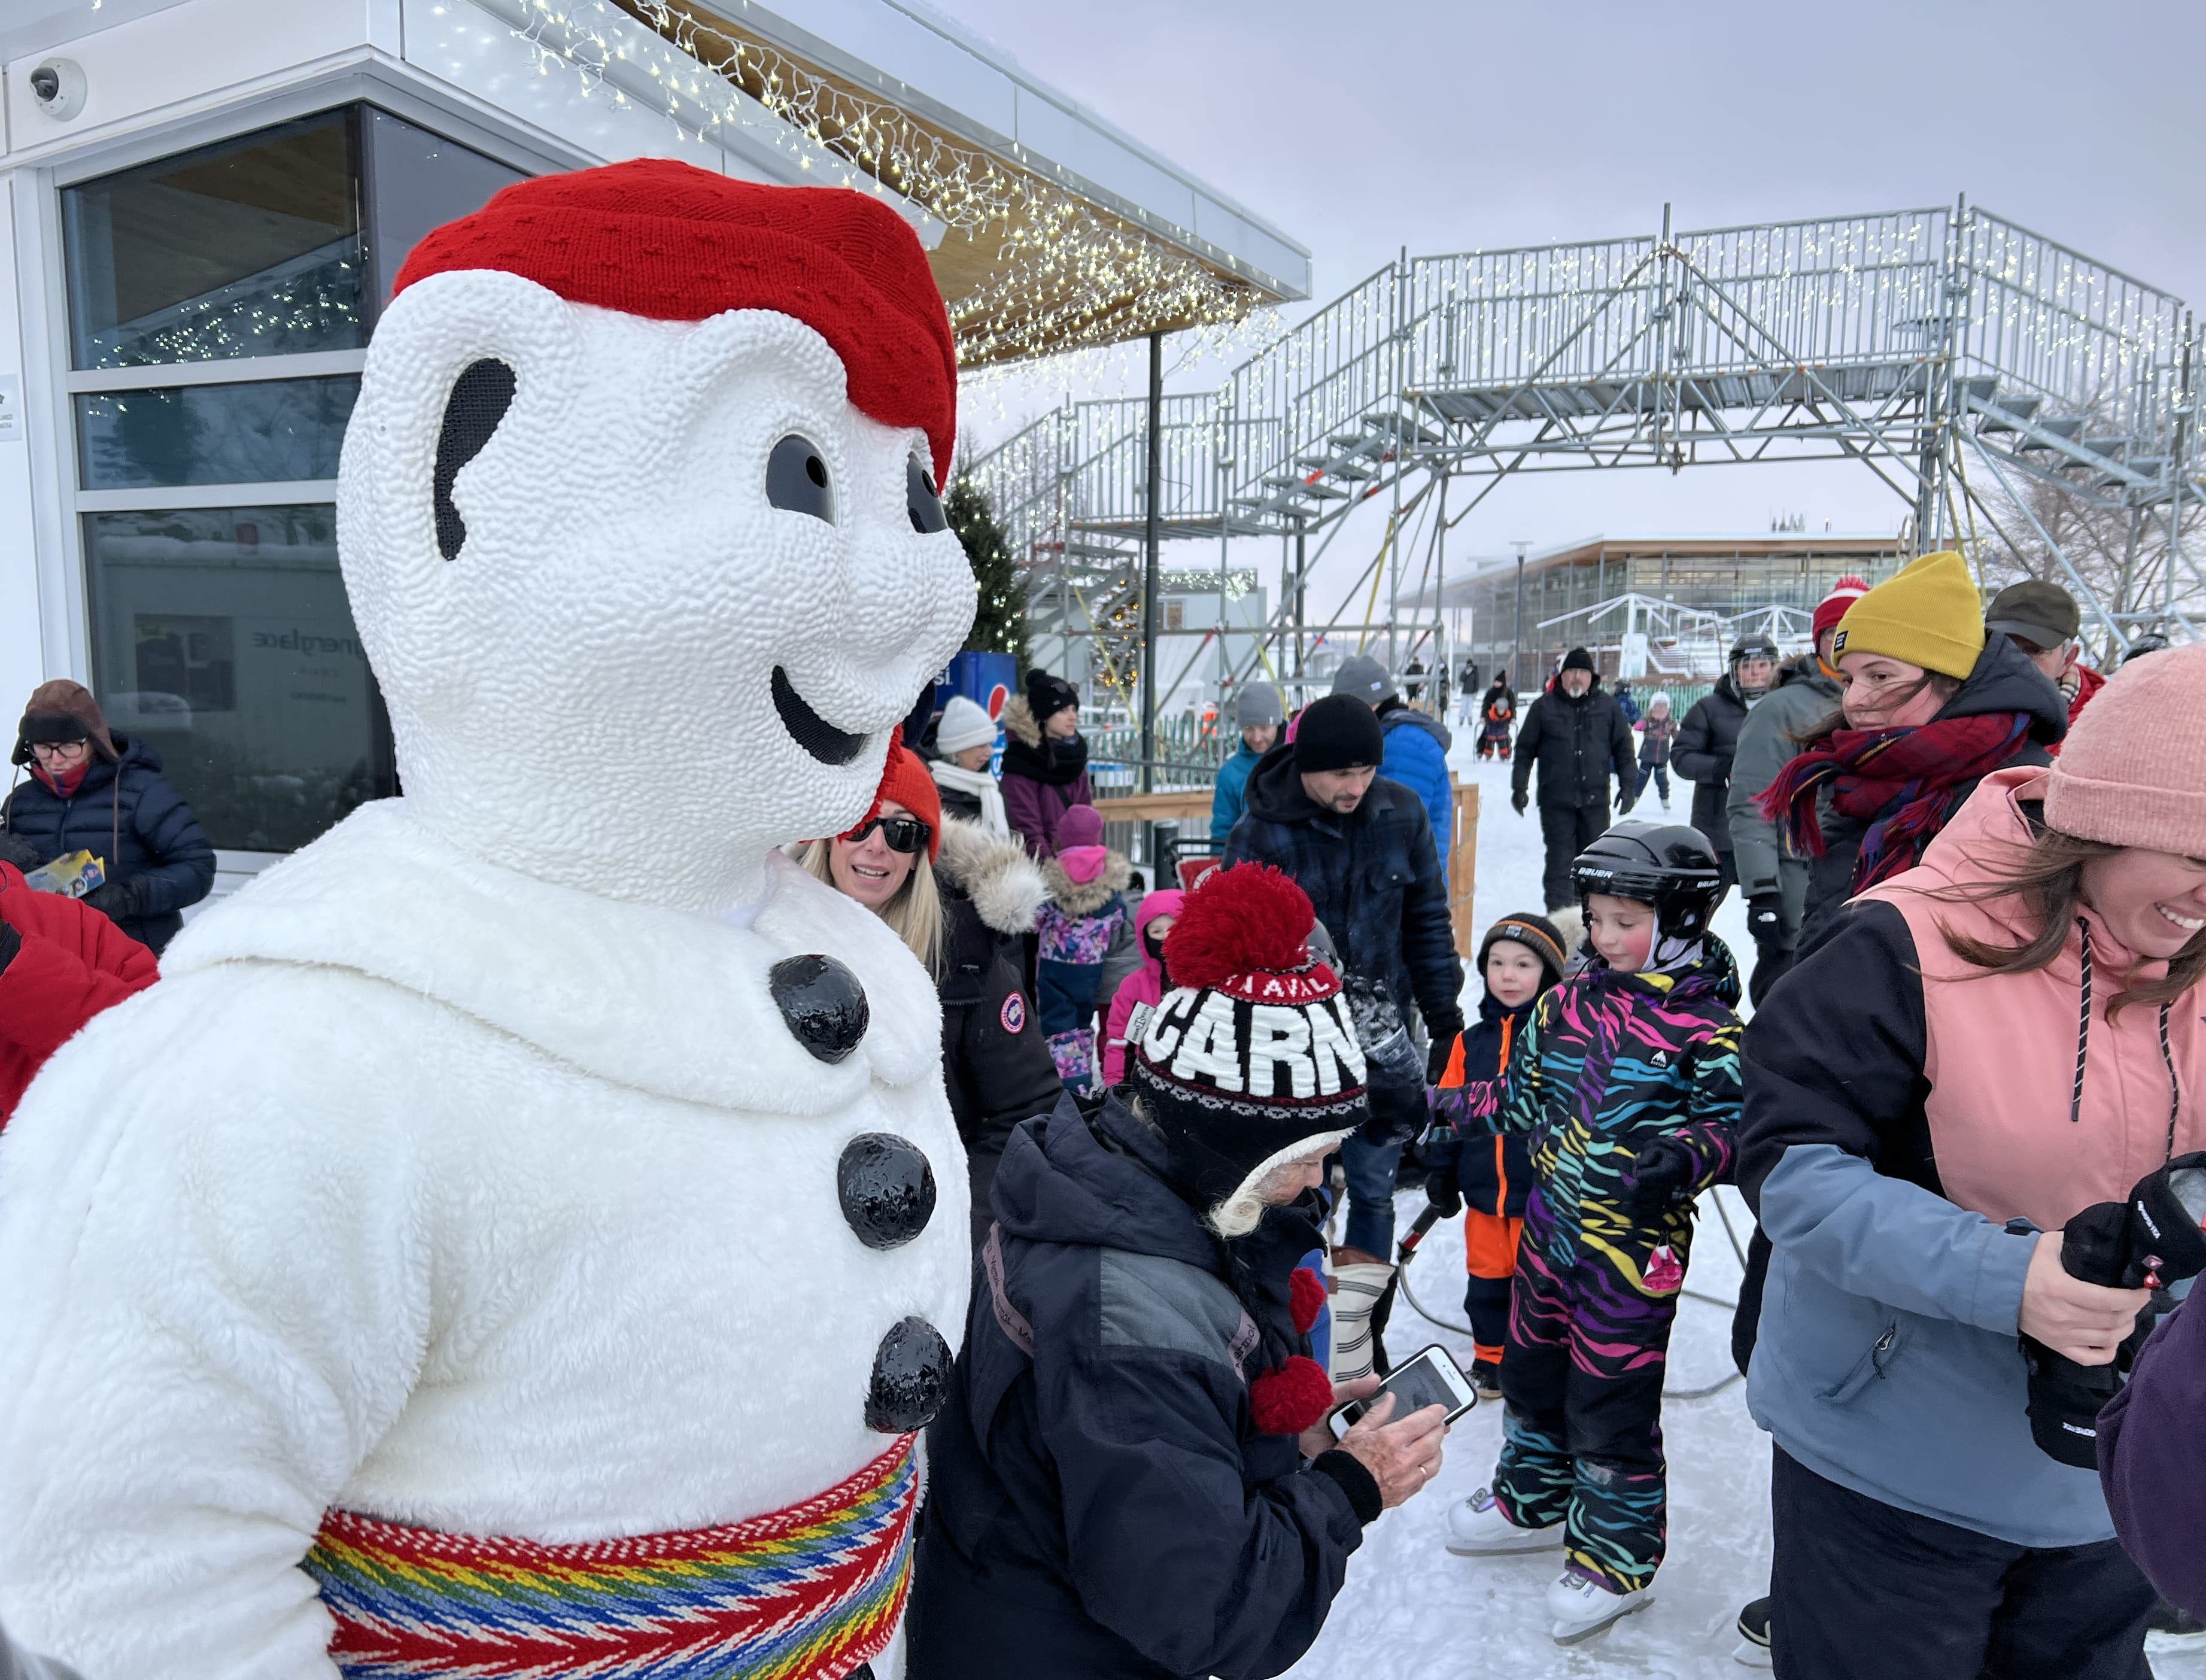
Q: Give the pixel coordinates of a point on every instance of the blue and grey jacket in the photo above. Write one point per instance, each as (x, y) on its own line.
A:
(1417, 756)
(1889, 1358)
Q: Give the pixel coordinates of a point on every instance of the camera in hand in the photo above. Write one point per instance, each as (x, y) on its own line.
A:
(2149, 1242)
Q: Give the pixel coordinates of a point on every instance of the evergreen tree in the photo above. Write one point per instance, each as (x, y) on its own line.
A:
(1000, 620)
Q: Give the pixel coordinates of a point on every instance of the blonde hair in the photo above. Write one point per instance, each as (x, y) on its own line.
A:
(915, 914)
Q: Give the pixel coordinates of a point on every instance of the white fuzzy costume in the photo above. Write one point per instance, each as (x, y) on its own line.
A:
(462, 1171)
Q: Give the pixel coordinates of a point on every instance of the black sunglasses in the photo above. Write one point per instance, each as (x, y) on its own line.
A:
(903, 834)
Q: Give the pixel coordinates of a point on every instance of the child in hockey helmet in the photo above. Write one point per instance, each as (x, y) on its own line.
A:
(1626, 1079)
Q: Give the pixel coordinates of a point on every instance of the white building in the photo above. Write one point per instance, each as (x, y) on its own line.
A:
(203, 204)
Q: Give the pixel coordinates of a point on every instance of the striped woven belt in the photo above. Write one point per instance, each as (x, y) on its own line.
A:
(810, 1592)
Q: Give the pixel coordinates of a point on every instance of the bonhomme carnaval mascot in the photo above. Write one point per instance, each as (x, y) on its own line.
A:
(516, 1236)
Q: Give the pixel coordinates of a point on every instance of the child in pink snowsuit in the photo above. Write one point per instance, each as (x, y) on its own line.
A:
(1143, 989)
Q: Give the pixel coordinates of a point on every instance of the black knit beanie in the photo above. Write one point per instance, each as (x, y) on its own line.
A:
(1537, 935)
(1578, 659)
(1339, 732)
(1047, 695)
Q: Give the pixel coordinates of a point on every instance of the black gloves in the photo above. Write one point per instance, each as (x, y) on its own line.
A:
(1625, 799)
(1518, 801)
(1660, 1175)
(1445, 1195)
(1436, 1058)
(25, 854)
(1765, 920)
(119, 901)
(10, 942)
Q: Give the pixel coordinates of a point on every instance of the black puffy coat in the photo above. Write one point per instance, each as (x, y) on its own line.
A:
(1576, 744)
(2004, 680)
(1707, 741)
(1100, 1503)
(995, 1064)
(125, 812)
(1373, 877)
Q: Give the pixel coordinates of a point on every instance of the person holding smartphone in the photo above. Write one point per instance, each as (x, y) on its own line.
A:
(1131, 1478)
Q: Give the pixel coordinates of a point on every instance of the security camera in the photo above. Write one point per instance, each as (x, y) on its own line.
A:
(58, 87)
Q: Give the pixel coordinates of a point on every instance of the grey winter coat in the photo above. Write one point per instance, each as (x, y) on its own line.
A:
(1774, 731)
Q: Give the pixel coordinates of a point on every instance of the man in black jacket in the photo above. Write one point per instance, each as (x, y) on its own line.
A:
(1709, 739)
(1577, 737)
(1131, 1478)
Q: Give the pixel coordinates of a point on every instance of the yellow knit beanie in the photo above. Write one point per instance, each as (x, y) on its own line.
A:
(1928, 614)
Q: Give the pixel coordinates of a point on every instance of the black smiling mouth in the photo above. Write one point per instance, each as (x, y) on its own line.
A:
(808, 729)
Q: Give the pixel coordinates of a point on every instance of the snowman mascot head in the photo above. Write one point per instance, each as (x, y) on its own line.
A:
(638, 516)
(513, 1237)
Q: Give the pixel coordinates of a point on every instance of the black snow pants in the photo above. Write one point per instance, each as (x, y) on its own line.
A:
(1568, 830)
(1864, 1588)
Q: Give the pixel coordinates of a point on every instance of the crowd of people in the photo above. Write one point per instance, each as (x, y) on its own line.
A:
(1974, 871)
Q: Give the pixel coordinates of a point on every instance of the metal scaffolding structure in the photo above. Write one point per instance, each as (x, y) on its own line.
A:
(1947, 351)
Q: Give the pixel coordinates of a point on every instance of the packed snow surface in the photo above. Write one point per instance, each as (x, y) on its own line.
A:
(1409, 1608)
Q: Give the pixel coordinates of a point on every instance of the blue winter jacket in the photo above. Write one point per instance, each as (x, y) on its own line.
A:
(1417, 756)
(1101, 1500)
(1887, 1358)
(1230, 791)
(127, 814)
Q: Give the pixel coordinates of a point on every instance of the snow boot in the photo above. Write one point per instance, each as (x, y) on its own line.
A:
(1477, 1529)
(1754, 1636)
(1356, 1289)
(1579, 1606)
(1486, 1378)
(2167, 1618)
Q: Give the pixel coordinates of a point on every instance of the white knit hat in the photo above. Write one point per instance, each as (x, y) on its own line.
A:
(964, 724)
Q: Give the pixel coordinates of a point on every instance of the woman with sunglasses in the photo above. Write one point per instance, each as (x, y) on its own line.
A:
(964, 900)
(95, 791)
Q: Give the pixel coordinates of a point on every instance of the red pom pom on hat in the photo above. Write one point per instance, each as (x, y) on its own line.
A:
(673, 242)
(1306, 1298)
(1832, 607)
(1293, 1399)
(1249, 919)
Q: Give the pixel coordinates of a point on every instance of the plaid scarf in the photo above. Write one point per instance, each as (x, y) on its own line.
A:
(1903, 782)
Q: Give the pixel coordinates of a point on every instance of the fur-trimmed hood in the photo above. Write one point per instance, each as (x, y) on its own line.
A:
(1084, 898)
(1005, 886)
(1018, 721)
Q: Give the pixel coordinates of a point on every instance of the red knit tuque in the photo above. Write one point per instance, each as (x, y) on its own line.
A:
(1306, 1298)
(1832, 607)
(905, 779)
(1238, 921)
(673, 242)
(1293, 1399)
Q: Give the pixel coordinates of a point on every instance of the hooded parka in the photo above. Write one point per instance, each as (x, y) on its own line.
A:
(1703, 754)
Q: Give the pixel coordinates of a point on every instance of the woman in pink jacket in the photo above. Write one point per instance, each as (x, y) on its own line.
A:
(1145, 987)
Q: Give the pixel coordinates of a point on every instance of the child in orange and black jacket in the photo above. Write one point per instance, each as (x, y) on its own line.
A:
(1470, 1169)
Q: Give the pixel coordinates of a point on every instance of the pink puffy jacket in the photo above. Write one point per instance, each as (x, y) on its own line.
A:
(1146, 985)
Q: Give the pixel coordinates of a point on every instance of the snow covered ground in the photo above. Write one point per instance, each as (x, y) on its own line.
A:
(1409, 1609)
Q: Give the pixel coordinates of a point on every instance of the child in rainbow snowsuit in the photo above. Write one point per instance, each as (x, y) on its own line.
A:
(1608, 1065)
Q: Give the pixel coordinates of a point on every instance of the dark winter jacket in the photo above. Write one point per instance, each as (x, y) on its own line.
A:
(1417, 756)
(1655, 736)
(1372, 877)
(996, 1067)
(2004, 680)
(1041, 779)
(61, 963)
(1100, 1503)
(2152, 1460)
(1703, 755)
(1576, 745)
(126, 813)
(1774, 731)
(1628, 704)
(1493, 1170)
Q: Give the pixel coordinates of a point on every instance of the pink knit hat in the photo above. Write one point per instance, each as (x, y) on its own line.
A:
(2132, 772)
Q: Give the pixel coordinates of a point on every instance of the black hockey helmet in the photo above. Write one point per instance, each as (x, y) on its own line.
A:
(1668, 865)
(1753, 644)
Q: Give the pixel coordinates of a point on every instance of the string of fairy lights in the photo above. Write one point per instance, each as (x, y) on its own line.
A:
(1063, 273)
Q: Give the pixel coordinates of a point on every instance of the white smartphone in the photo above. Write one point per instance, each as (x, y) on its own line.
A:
(1431, 1378)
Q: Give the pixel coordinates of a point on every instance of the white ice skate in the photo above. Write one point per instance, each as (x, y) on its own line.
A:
(1476, 1528)
(1581, 1608)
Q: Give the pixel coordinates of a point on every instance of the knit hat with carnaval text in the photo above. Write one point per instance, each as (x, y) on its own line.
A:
(1251, 1060)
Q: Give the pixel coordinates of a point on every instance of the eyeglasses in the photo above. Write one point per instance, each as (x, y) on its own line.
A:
(903, 834)
(59, 749)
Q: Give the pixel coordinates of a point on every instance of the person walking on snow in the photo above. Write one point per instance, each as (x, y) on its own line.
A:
(1982, 1047)
(1141, 991)
(1574, 736)
(1773, 878)
(1708, 737)
(965, 737)
(1627, 1080)
(1657, 730)
(1045, 761)
(1471, 1168)
(1497, 715)
(1260, 716)
(1416, 746)
(2043, 621)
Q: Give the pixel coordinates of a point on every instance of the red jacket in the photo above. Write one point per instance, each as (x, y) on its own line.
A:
(72, 963)
(2088, 683)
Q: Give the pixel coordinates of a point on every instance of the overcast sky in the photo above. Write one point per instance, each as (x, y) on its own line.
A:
(1358, 129)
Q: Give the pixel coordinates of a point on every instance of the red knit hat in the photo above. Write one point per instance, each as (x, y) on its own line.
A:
(1832, 607)
(674, 242)
(905, 779)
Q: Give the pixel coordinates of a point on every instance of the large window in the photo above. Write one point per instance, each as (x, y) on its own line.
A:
(219, 306)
